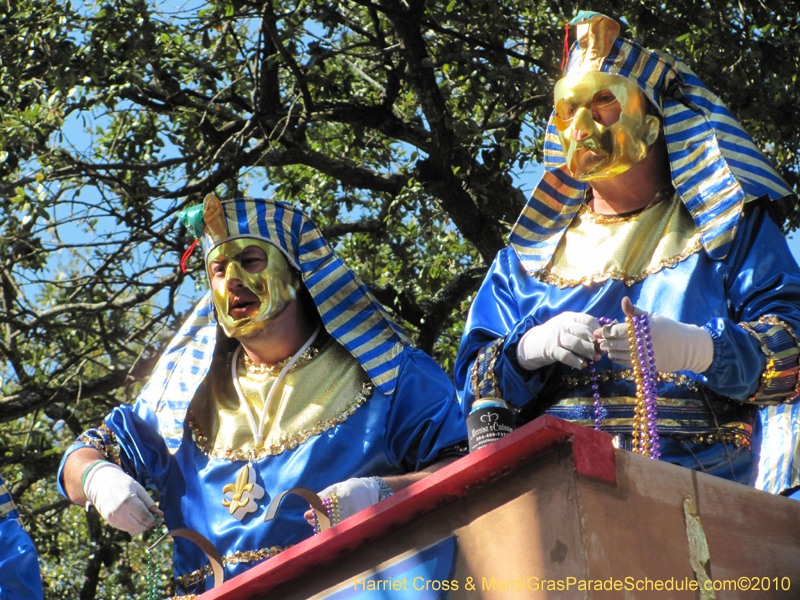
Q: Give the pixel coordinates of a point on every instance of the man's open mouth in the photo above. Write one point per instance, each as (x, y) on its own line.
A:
(240, 307)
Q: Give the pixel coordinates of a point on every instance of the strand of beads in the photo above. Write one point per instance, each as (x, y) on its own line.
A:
(153, 562)
(645, 422)
(651, 388)
(331, 504)
(600, 411)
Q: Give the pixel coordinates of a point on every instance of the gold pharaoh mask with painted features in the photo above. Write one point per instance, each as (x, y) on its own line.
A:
(603, 124)
(256, 289)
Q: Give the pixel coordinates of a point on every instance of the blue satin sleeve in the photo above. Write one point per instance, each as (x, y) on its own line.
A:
(762, 278)
(20, 578)
(494, 314)
(142, 452)
(738, 361)
(425, 417)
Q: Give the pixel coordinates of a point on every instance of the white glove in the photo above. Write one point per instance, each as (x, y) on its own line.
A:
(354, 494)
(119, 498)
(567, 338)
(676, 346)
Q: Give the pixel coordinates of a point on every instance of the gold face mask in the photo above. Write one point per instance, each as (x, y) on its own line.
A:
(603, 124)
(250, 288)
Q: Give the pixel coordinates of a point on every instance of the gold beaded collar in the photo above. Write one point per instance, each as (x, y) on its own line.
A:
(259, 369)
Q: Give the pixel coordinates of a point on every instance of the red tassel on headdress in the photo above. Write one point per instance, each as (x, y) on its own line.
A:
(187, 254)
(565, 56)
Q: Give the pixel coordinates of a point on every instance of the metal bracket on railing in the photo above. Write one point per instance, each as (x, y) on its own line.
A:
(214, 557)
(307, 495)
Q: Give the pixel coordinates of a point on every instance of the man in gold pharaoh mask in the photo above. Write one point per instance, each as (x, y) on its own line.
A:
(654, 203)
(287, 374)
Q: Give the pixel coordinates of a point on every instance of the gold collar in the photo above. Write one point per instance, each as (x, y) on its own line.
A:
(627, 248)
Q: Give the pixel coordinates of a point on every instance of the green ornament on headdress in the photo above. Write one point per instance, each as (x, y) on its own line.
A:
(584, 16)
(192, 219)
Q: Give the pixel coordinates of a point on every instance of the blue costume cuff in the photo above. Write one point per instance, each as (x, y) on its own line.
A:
(779, 381)
(738, 362)
(101, 439)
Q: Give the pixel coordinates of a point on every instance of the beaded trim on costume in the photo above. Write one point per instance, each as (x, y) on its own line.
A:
(739, 438)
(627, 375)
(666, 263)
(274, 370)
(780, 380)
(484, 381)
(240, 556)
(104, 441)
(285, 442)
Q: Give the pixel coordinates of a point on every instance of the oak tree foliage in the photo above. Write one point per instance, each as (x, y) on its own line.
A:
(408, 130)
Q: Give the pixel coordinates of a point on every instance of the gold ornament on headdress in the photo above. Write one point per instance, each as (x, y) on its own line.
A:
(214, 218)
(596, 35)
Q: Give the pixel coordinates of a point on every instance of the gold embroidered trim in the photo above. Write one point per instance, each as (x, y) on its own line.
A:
(627, 374)
(737, 437)
(671, 422)
(781, 364)
(740, 439)
(240, 556)
(275, 370)
(617, 275)
(487, 358)
(284, 443)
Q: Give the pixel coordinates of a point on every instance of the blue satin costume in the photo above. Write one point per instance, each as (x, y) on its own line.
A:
(759, 277)
(20, 578)
(411, 420)
(740, 282)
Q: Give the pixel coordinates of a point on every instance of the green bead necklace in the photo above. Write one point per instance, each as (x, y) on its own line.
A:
(154, 558)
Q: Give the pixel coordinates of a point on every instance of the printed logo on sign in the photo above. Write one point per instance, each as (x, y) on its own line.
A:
(490, 417)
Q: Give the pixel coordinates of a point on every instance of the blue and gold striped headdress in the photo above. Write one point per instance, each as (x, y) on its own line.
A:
(348, 311)
(716, 167)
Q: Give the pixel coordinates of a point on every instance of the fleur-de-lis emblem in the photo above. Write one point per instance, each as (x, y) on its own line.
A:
(242, 495)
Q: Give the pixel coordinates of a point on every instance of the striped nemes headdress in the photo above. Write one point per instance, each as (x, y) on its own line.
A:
(716, 168)
(348, 310)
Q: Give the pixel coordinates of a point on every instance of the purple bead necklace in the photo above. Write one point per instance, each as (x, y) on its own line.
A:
(600, 411)
(645, 422)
